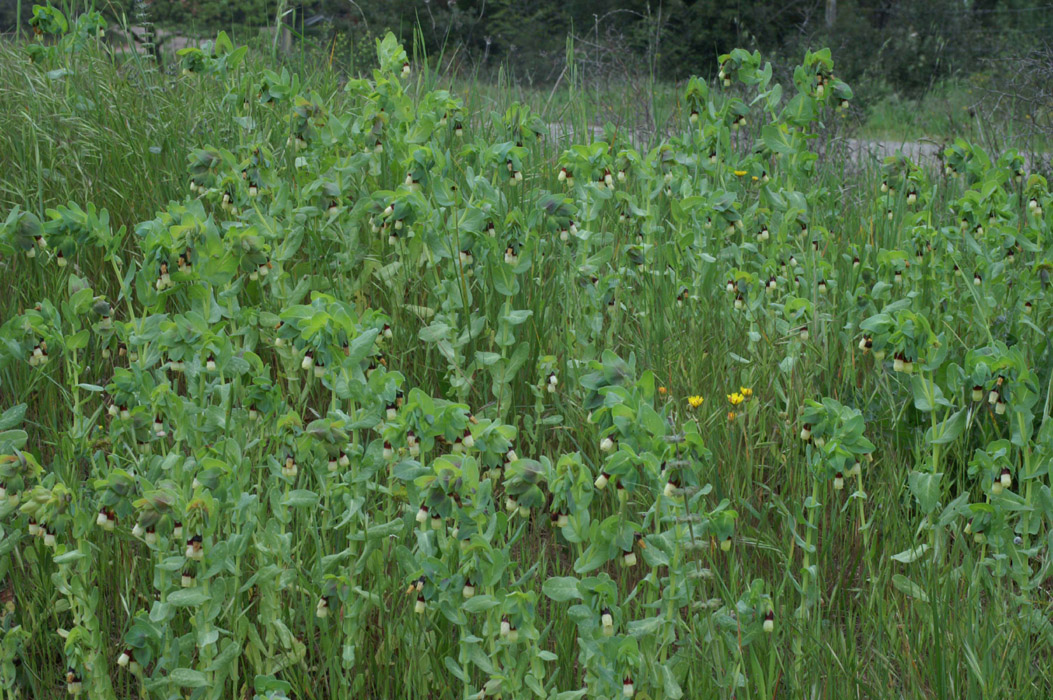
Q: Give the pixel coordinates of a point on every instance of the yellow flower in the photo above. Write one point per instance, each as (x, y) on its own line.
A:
(695, 401)
(662, 390)
(731, 415)
(755, 178)
(746, 391)
(736, 398)
(740, 173)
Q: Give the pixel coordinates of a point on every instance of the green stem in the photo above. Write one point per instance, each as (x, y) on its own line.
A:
(806, 576)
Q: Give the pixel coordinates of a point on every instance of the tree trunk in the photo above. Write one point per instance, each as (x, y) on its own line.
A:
(831, 13)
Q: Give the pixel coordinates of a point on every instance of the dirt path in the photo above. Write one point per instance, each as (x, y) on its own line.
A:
(924, 152)
(917, 151)
(859, 148)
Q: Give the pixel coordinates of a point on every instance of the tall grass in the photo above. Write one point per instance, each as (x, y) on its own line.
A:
(105, 132)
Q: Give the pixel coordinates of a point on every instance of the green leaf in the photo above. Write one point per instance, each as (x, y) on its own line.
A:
(478, 657)
(188, 597)
(561, 588)
(1021, 422)
(776, 139)
(926, 489)
(300, 498)
(651, 421)
(78, 340)
(434, 332)
(672, 689)
(517, 316)
(571, 694)
(453, 667)
(487, 358)
(505, 281)
(377, 532)
(912, 554)
(69, 557)
(921, 387)
(535, 685)
(648, 625)
(479, 603)
(948, 430)
(12, 416)
(230, 651)
(188, 678)
(905, 585)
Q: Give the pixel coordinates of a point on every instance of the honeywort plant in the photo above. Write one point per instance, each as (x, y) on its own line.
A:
(392, 400)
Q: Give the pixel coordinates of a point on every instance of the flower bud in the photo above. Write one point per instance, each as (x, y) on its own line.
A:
(289, 467)
(104, 521)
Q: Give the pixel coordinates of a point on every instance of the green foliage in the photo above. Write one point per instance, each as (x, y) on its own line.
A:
(391, 398)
